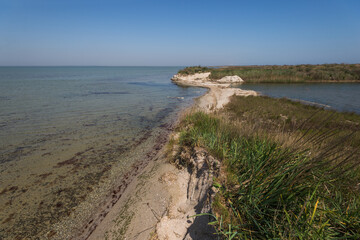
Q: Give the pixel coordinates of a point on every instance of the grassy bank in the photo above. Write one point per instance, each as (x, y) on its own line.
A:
(285, 73)
(193, 70)
(289, 171)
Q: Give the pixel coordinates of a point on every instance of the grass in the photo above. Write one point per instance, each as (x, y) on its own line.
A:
(287, 172)
(282, 116)
(285, 73)
(193, 70)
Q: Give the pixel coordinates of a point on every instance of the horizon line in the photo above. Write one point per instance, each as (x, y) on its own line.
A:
(226, 65)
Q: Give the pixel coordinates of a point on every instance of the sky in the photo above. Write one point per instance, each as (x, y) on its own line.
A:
(178, 32)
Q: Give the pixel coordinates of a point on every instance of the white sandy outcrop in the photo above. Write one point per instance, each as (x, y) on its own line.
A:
(192, 77)
(231, 79)
(219, 92)
(199, 78)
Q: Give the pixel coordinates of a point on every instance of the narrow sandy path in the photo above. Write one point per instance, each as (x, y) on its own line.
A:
(219, 92)
(218, 96)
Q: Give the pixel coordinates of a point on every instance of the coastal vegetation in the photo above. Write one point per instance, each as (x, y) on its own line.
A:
(284, 73)
(193, 70)
(288, 170)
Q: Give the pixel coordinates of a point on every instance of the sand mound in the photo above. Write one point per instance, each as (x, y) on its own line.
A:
(231, 79)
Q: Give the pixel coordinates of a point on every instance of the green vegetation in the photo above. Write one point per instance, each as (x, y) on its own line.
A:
(289, 171)
(193, 70)
(282, 116)
(286, 73)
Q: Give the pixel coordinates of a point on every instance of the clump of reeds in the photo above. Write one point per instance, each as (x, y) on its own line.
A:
(303, 186)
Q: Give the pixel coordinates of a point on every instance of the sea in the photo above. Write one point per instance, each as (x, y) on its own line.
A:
(69, 134)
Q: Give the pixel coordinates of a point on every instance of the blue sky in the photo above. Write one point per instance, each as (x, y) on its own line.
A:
(178, 32)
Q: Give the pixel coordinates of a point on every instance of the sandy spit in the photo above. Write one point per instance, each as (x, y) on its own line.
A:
(219, 91)
(161, 200)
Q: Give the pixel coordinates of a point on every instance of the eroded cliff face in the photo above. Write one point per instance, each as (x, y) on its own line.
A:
(191, 194)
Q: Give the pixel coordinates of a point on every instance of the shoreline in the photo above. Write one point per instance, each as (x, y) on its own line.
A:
(127, 179)
(156, 200)
(81, 224)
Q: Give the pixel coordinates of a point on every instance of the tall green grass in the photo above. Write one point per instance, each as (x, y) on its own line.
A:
(278, 188)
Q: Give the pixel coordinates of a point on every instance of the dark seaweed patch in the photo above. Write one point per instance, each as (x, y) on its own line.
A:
(45, 175)
(3, 98)
(89, 124)
(59, 204)
(109, 93)
(8, 219)
(70, 161)
(51, 234)
(13, 189)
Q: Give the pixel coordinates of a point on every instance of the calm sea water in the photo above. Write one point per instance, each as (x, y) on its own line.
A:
(67, 134)
(338, 96)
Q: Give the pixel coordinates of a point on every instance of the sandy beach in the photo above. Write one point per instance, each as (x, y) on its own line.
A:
(161, 200)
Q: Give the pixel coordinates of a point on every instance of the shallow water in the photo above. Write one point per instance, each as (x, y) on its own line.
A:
(337, 96)
(67, 134)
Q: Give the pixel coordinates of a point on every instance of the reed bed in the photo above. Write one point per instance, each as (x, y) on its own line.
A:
(284, 73)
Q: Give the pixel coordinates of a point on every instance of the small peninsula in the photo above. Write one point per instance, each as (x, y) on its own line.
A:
(287, 170)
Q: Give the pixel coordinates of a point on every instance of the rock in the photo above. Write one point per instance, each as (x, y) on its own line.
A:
(230, 79)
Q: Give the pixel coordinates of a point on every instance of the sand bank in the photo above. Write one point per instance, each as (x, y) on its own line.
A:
(219, 92)
(162, 199)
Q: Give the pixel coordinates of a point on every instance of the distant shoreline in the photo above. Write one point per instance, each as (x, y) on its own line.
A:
(283, 73)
